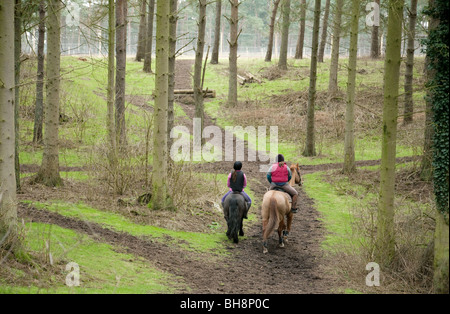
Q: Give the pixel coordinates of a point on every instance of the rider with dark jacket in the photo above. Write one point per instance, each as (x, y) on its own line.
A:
(278, 176)
(237, 181)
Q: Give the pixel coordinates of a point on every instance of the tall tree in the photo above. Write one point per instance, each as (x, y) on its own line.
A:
(8, 203)
(160, 152)
(411, 34)
(337, 20)
(349, 143)
(149, 41)
(199, 51)
(301, 34)
(121, 64)
(172, 56)
(234, 36)
(323, 39)
(110, 123)
(273, 17)
(310, 149)
(286, 10)
(374, 44)
(49, 170)
(142, 34)
(17, 52)
(216, 46)
(437, 51)
(385, 242)
(39, 105)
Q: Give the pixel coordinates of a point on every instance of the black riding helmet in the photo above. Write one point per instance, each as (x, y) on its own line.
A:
(237, 165)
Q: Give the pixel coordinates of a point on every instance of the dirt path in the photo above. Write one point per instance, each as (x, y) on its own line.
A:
(293, 269)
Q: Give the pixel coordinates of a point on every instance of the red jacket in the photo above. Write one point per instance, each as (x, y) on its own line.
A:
(280, 174)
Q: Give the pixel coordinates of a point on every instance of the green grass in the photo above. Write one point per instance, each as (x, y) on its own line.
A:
(334, 209)
(102, 268)
(192, 241)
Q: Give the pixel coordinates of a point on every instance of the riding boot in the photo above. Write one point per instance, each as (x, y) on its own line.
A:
(294, 204)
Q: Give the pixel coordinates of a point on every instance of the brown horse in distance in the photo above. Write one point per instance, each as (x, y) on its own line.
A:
(276, 206)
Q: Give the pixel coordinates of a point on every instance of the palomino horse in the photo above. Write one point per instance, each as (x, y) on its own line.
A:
(276, 206)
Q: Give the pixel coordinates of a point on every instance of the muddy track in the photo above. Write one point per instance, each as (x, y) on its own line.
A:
(297, 268)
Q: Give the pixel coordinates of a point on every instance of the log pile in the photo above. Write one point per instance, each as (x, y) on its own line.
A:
(190, 92)
(247, 78)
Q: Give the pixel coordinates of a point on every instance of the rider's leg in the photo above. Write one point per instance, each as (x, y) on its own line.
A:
(294, 194)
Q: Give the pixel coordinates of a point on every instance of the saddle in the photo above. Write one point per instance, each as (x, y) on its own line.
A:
(281, 190)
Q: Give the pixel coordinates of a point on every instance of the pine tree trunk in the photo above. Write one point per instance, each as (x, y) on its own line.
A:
(215, 52)
(441, 254)
(8, 202)
(273, 17)
(149, 41)
(385, 243)
(349, 143)
(121, 63)
(142, 35)
(17, 52)
(409, 105)
(286, 10)
(159, 176)
(301, 35)
(110, 89)
(172, 52)
(232, 87)
(374, 44)
(49, 171)
(198, 93)
(39, 107)
(310, 149)
(323, 40)
(334, 67)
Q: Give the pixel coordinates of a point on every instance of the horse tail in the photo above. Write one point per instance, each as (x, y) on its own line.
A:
(233, 220)
(273, 217)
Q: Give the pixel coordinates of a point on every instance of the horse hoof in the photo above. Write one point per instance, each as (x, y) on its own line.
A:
(265, 251)
(281, 244)
(285, 240)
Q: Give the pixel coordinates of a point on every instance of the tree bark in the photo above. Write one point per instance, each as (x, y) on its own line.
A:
(121, 63)
(323, 40)
(215, 52)
(49, 170)
(441, 254)
(286, 9)
(233, 83)
(17, 52)
(374, 44)
(409, 104)
(159, 176)
(310, 149)
(349, 142)
(301, 35)
(8, 201)
(198, 91)
(385, 242)
(39, 106)
(172, 55)
(273, 17)
(333, 81)
(142, 35)
(110, 123)
(149, 41)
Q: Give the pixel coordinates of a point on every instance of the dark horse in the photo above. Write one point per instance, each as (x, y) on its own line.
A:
(234, 207)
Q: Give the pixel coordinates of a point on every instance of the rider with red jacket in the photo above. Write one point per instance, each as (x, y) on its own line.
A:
(278, 176)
